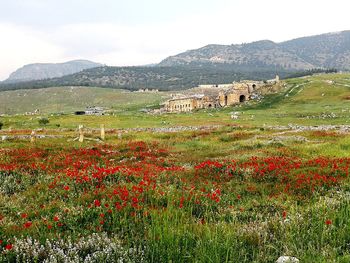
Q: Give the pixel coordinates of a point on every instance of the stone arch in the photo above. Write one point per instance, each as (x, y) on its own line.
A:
(242, 98)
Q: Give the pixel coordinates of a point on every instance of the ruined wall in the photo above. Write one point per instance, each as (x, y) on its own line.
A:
(230, 99)
(238, 93)
(208, 102)
(181, 105)
(226, 95)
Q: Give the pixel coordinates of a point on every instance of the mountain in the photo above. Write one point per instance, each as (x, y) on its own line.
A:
(211, 64)
(41, 71)
(330, 50)
(321, 51)
(162, 78)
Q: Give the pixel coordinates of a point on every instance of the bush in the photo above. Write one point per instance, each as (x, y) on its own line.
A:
(1, 125)
(43, 121)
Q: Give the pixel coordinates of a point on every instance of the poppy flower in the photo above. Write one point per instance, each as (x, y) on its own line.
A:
(8, 246)
(97, 203)
(284, 214)
(27, 224)
(24, 215)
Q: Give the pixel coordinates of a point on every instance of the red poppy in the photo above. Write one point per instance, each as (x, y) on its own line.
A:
(328, 222)
(24, 215)
(284, 214)
(8, 246)
(56, 218)
(97, 203)
(27, 224)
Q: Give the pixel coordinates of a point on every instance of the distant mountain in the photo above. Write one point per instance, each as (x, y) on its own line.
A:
(330, 50)
(41, 71)
(156, 77)
(211, 64)
(321, 51)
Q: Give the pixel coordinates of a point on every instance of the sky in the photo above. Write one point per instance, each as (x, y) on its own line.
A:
(139, 32)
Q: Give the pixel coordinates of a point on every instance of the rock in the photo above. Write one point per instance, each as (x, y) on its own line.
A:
(4, 138)
(287, 259)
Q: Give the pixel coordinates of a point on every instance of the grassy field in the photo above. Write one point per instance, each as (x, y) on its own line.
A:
(70, 99)
(247, 191)
(312, 100)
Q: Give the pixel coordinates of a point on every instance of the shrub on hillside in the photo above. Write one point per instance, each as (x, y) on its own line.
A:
(43, 121)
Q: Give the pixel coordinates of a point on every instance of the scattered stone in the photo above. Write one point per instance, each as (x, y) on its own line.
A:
(300, 128)
(287, 259)
(280, 139)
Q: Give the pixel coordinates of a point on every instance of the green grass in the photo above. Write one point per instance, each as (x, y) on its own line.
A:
(247, 225)
(70, 99)
(310, 101)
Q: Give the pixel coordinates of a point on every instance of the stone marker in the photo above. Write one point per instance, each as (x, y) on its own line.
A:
(33, 136)
(287, 259)
(81, 133)
(103, 134)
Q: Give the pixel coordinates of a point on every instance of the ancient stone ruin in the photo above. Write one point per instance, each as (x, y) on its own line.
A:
(222, 95)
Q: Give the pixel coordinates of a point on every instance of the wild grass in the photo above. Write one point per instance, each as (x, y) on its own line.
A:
(194, 202)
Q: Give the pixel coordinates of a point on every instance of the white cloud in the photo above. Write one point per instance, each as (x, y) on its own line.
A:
(135, 44)
(21, 45)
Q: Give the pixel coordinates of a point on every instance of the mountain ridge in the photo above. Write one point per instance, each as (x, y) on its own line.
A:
(215, 63)
(39, 71)
(318, 51)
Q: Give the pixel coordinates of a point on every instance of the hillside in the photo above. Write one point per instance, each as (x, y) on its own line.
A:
(321, 51)
(211, 64)
(319, 99)
(70, 99)
(330, 50)
(162, 78)
(40, 71)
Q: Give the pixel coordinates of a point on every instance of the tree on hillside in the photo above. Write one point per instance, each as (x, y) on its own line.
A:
(43, 121)
(1, 125)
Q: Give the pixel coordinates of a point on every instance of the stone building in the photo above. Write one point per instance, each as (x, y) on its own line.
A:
(189, 103)
(237, 93)
(225, 95)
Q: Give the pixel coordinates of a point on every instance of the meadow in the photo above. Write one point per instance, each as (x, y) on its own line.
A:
(273, 182)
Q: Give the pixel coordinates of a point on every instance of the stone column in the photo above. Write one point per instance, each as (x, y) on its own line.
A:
(33, 136)
(81, 133)
(103, 134)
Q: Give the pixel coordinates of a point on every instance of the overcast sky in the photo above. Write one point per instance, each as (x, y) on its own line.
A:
(136, 32)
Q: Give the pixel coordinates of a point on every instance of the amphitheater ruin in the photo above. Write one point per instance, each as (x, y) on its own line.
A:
(221, 95)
